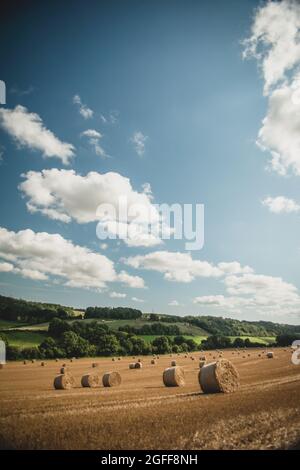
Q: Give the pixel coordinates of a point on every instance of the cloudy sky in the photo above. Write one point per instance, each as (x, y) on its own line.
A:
(163, 102)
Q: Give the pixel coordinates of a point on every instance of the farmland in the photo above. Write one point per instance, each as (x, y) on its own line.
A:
(143, 414)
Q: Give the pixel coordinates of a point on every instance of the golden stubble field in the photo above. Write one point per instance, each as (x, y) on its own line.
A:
(143, 414)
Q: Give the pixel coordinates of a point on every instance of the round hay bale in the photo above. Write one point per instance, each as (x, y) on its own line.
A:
(220, 376)
(63, 382)
(64, 370)
(119, 358)
(202, 358)
(173, 363)
(153, 361)
(174, 377)
(270, 355)
(56, 360)
(111, 379)
(113, 359)
(24, 362)
(139, 360)
(201, 364)
(157, 357)
(32, 361)
(138, 365)
(90, 380)
(132, 365)
(2, 365)
(185, 356)
(64, 365)
(43, 364)
(95, 364)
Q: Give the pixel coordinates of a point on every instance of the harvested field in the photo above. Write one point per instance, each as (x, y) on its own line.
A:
(264, 413)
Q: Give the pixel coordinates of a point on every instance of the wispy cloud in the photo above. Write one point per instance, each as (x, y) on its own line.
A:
(22, 92)
(136, 299)
(28, 130)
(139, 142)
(84, 110)
(94, 137)
(117, 295)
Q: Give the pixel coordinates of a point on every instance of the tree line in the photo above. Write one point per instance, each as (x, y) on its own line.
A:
(88, 339)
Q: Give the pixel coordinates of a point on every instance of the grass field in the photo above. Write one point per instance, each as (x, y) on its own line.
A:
(257, 339)
(264, 413)
(4, 324)
(24, 339)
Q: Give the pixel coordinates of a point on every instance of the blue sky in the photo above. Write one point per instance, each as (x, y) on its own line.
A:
(174, 72)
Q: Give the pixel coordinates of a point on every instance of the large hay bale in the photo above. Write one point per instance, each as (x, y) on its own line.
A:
(174, 377)
(173, 363)
(139, 360)
(43, 364)
(64, 370)
(2, 365)
(132, 365)
(220, 376)
(111, 379)
(202, 358)
(113, 359)
(138, 365)
(153, 361)
(24, 362)
(270, 355)
(64, 382)
(90, 380)
(95, 364)
(32, 361)
(64, 365)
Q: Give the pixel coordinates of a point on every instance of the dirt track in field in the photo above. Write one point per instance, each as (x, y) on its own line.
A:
(143, 414)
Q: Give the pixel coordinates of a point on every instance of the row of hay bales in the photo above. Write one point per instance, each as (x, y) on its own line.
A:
(65, 381)
(219, 376)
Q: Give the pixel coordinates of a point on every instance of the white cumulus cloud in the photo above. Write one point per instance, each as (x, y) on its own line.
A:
(181, 267)
(28, 130)
(275, 44)
(281, 204)
(39, 255)
(108, 198)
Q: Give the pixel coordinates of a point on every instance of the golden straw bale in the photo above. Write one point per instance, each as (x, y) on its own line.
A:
(64, 382)
(220, 376)
(174, 377)
(90, 380)
(111, 379)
